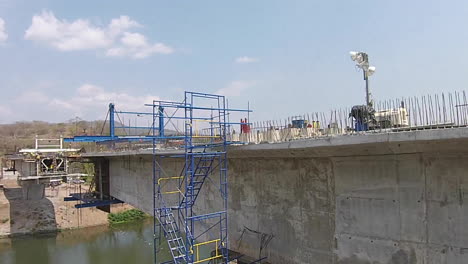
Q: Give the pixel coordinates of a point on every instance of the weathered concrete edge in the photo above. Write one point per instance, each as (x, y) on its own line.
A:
(131, 153)
(368, 138)
(327, 142)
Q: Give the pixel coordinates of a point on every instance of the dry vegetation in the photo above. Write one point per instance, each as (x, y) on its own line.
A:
(21, 134)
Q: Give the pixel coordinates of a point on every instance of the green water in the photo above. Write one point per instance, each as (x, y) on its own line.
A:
(125, 243)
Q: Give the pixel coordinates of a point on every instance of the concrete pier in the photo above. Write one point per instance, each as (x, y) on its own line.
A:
(383, 199)
(33, 190)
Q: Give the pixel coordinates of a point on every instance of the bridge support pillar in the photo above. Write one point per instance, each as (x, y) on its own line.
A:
(33, 190)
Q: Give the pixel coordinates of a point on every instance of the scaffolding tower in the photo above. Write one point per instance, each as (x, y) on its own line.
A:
(195, 233)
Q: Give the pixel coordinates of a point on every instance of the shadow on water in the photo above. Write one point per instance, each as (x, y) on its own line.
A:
(124, 243)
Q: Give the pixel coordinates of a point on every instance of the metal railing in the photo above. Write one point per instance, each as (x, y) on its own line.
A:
(439, 111)
(197, 251)
(169, 179)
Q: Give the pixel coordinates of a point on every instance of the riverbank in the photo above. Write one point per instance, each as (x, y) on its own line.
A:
(51, 214)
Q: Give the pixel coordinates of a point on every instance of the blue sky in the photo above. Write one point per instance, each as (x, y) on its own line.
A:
(285, 57)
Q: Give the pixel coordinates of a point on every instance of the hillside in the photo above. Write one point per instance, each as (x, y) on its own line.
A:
(21, 134)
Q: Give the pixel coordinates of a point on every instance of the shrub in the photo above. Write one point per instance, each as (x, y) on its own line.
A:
(125, 216)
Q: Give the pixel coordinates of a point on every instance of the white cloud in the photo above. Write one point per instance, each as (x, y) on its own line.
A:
(32, 96)
(66, 36)
(121, 24)
(236, 88)
(134, 40)
(135, 45)
(245, 59)
(3, 34)
(88, 101)
(115, 38)
(88, 98)
(60, 105)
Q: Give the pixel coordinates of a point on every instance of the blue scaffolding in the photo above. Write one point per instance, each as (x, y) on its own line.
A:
(193, 234)
(118, 133)
(125, 134)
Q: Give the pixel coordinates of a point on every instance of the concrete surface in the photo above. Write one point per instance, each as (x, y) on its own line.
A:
(4, 213)
(32, 190)
(397, 198)
(19, 216)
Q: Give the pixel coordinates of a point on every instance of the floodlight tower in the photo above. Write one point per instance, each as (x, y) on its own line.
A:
(362, 62)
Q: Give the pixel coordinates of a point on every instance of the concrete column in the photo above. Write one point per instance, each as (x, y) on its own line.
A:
(32, 190)
(1, 168)
(101, 194)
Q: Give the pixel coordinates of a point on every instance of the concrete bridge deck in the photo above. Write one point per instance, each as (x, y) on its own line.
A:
(360, 199)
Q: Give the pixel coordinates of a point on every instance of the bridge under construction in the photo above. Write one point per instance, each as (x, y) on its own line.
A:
(356, 185)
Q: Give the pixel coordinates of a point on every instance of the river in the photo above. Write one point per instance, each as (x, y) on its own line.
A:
(125, 243)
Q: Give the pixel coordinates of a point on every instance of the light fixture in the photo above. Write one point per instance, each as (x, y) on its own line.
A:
(362, 62)
(353, 55)
(370, 70)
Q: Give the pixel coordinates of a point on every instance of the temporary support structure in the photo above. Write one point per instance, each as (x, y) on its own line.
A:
(113, 136)
(194, 234)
